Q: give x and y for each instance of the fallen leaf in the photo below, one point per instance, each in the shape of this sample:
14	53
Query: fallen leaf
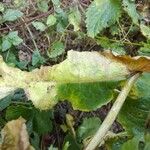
15	136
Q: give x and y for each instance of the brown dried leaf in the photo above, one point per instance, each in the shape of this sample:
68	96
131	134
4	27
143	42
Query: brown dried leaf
15	136
134	64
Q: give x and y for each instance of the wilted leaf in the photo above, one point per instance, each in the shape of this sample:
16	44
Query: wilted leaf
72	78
15	136
134	64
42	94
12	15
83	67
51	20
39	25
101	14
145	30
130	8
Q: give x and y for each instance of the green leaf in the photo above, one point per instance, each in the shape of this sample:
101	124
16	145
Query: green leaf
11	39
6	44
14	38
101	14
147	146
115	143
12	14
2	7
145	30
57	49
51	20
52	148
75	18
66	146
134	113
37	59
130	8
56	2
39	25
21	4
14	112
11	58
43	5
35	140
87	96
132	144
5	102
145	50
88	128
42	121
73	145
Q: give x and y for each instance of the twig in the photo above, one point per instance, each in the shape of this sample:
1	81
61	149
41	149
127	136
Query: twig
114	40
32	37
43	15
110	118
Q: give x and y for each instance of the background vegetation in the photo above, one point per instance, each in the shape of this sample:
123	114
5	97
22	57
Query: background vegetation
40	32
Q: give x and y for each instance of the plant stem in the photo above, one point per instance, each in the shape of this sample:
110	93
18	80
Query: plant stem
124	42
32	37
110	118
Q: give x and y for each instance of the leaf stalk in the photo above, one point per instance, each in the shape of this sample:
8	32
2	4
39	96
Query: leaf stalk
110	118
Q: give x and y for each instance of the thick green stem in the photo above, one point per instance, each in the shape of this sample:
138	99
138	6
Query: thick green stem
107	123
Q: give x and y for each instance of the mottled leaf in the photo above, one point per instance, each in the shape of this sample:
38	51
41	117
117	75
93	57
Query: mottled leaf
95	72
